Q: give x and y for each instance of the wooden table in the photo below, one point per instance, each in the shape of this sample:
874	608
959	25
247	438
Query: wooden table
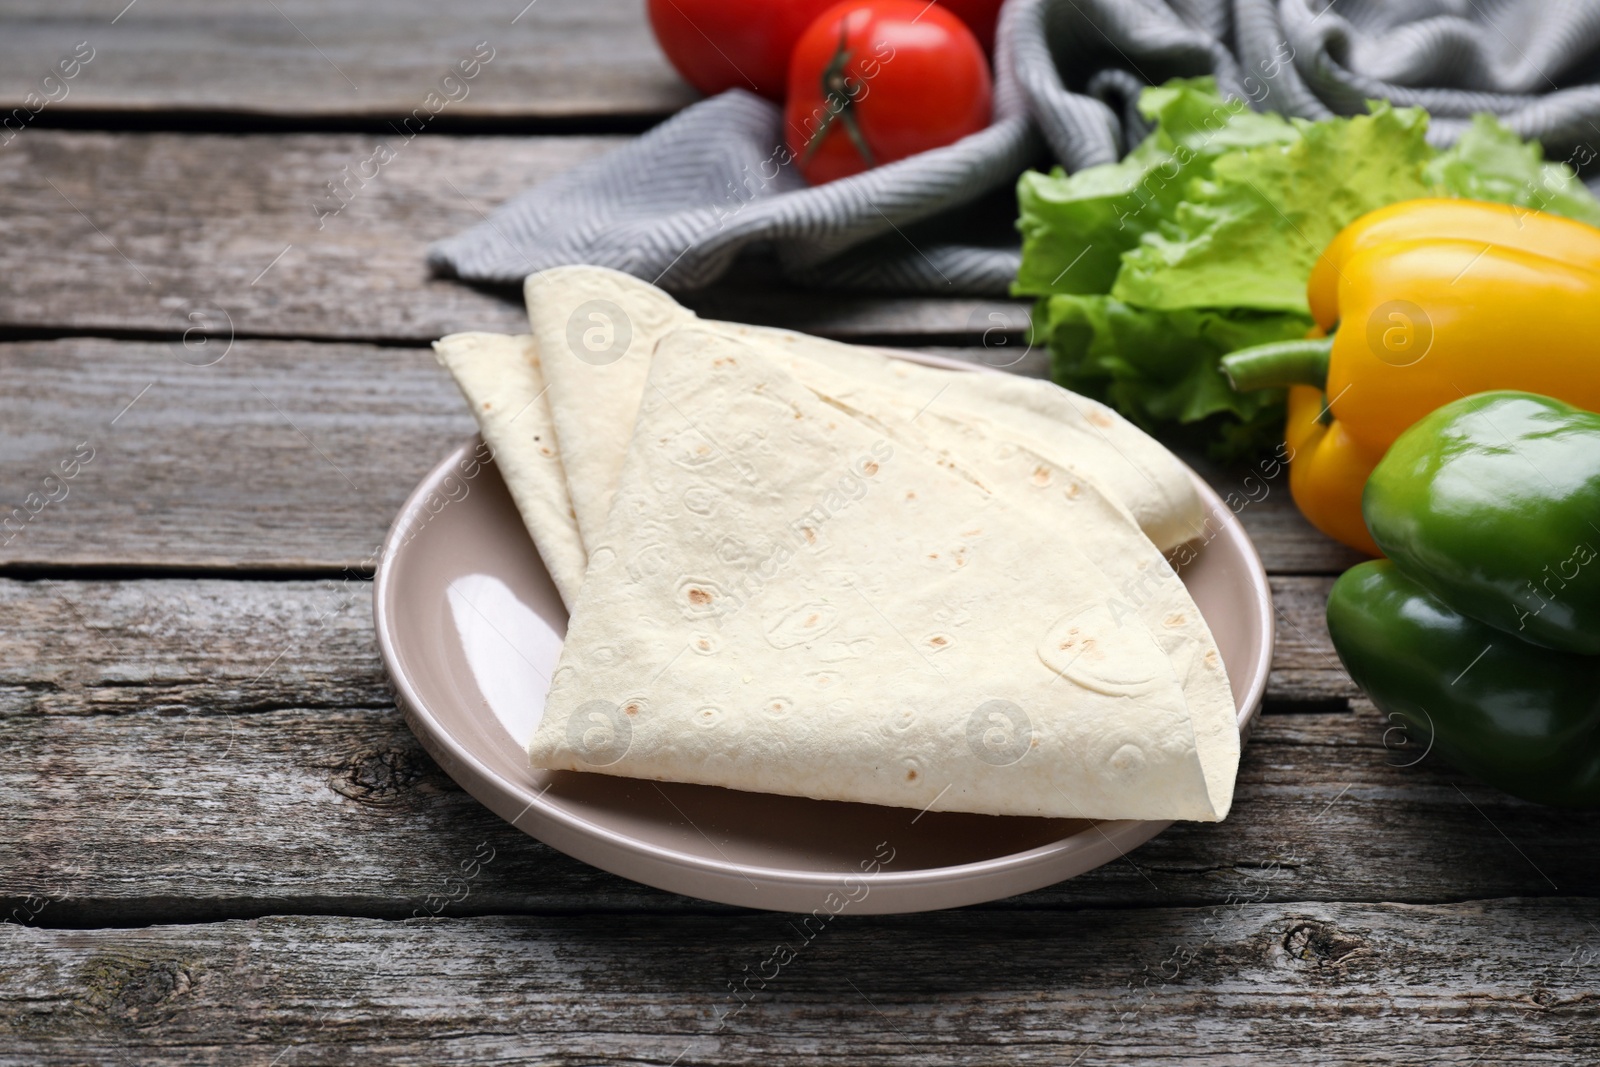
217	829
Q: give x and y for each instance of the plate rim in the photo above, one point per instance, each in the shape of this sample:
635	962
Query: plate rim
1119	835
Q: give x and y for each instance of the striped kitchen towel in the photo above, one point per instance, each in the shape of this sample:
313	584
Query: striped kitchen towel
680	204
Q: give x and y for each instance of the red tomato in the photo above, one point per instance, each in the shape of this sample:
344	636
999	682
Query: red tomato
873	81
981	17
733	44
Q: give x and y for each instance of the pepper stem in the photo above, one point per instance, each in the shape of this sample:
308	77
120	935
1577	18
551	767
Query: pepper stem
1281	363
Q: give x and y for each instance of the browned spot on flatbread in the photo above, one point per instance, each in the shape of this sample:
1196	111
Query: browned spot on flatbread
811	620
1041	476
1174	619
869	468
938	642
911	775
910	495
699	596
1101	419
811	536
631	708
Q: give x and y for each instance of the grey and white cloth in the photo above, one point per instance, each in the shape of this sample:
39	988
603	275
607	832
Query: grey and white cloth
682	203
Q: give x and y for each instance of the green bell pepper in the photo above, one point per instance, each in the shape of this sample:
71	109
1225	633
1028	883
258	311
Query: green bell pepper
1522	718
1493	503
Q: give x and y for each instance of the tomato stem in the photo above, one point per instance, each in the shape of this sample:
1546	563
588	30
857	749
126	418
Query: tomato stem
840	102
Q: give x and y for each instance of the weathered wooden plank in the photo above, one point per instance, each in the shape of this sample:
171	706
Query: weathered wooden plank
209	749
1502	982
118	232
311	59
287	455
278	455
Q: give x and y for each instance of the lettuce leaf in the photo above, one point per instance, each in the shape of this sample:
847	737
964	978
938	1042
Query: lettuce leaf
1163	366
1076	227
1248	236
1489	162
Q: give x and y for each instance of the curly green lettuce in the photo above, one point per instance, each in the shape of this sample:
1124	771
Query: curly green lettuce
1162	367
1075	228
1248	235
1489	162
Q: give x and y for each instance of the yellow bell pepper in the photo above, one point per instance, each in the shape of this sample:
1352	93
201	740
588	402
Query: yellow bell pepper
1425	302
1504	225
1327	470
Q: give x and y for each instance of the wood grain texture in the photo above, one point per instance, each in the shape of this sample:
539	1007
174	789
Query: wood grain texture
134	232
1502	982
292	455
311	58
205	749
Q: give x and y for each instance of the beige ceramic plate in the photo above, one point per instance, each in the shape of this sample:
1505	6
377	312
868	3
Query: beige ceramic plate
470	627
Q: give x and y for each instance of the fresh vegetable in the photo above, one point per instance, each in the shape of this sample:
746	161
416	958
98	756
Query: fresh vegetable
1426	300
1076	228
1248	235
873	81
1490	162
1482	629
1426	321
725	44
1492	503
1499	224
1327	470
1218	217
1162	365
981	16
1523	718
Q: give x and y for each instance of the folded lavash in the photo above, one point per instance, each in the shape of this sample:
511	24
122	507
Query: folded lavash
601	326
598	327
610	324
1084	515
503	383
784	599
